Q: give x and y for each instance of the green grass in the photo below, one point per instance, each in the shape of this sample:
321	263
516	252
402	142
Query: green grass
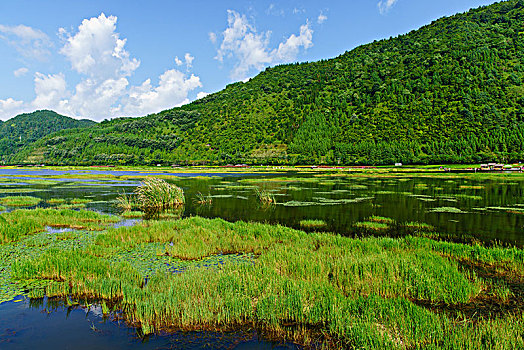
132	214
354	293
312	224
20	201
201	199
372	226
22	222
157	194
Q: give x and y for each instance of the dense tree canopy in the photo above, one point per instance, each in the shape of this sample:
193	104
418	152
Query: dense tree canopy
25	129
452	91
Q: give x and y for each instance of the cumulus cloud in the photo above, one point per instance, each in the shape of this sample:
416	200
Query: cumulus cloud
288	50
321	18
385	5
96	49
250	49
10	107
20	72
29	42
50	90
202	94
98	53
173	86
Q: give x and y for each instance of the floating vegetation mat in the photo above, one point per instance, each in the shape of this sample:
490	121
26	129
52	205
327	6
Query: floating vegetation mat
325	201
451	210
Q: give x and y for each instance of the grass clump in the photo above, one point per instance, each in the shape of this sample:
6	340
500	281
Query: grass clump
265	197
372	226
157	194
313	224
153	194
381	219
20	201
201	199
22	222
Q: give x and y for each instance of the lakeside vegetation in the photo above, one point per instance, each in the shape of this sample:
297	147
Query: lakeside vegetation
309	288
446	93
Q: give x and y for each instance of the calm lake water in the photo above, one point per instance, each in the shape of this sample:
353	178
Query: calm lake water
486	209
51	325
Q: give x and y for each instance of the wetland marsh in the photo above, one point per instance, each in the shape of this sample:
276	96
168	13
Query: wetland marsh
315	259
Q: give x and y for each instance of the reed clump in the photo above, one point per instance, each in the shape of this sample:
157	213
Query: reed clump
154	193
265	197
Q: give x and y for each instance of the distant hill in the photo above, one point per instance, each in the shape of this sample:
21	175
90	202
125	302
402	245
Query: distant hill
452	91
24	129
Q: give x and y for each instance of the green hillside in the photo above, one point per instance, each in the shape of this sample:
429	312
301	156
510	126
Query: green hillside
452	91
24	129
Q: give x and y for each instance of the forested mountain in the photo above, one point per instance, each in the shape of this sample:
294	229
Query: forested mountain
25	129
452	91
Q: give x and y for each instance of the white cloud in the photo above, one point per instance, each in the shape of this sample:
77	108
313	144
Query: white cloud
288	50
97	52
213	37
20	72
49	90
274	11
172	90
321	18
202	94
385	5
189	60
250	49
96	49
10	108
29	42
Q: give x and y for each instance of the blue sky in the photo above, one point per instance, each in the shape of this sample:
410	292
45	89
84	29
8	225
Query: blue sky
103	59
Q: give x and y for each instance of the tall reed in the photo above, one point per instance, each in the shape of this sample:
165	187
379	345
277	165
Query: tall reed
157	194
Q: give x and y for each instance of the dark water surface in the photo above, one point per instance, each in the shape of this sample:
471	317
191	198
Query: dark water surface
487	209
51	325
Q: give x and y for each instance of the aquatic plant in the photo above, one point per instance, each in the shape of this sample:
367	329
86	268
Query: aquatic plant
22	222
381	219
371	225
419	226
154	194
201	199
452	210
126	202
313	224
20	201
265	197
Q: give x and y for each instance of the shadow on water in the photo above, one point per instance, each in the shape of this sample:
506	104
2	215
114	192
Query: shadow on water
51	324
